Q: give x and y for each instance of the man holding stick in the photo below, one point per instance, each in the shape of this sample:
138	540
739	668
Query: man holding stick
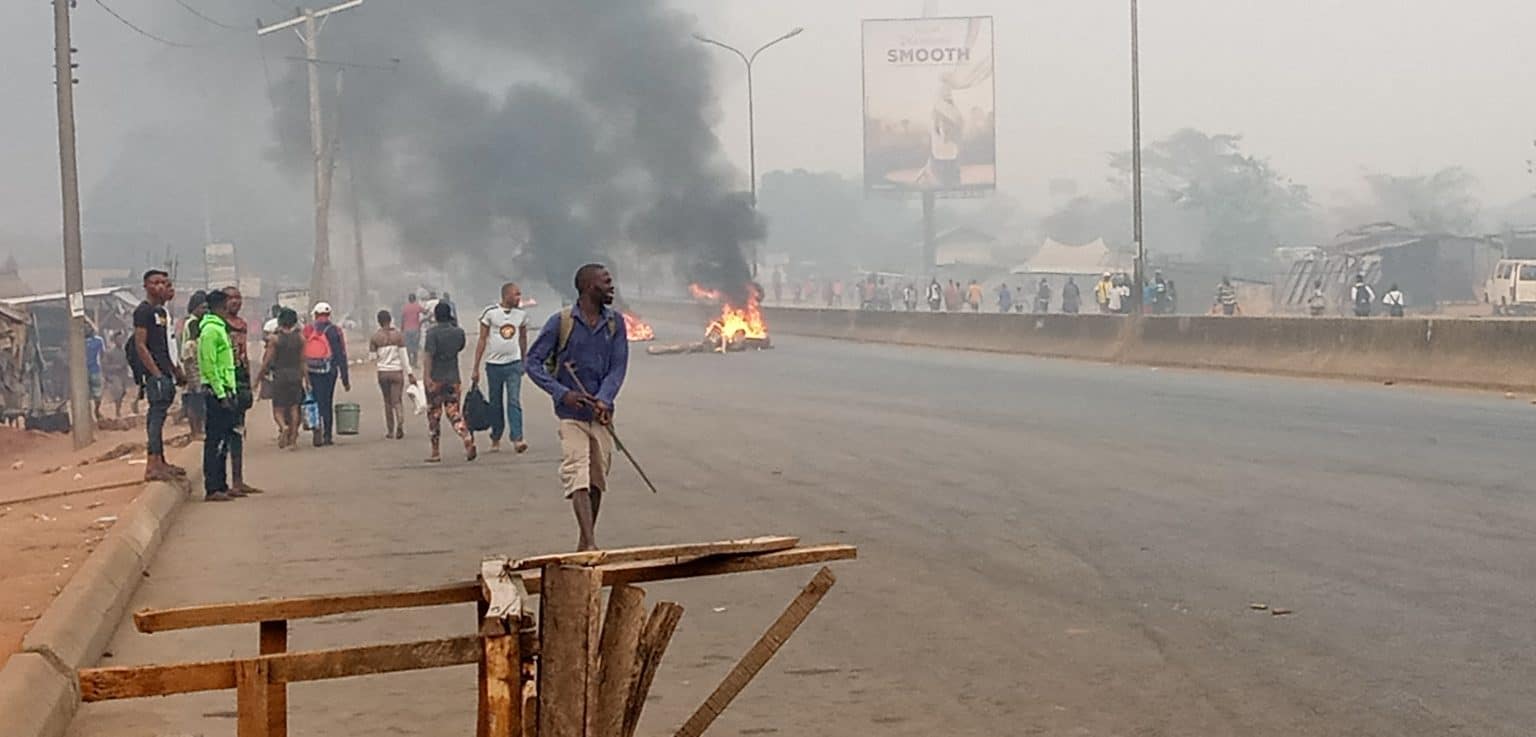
583	346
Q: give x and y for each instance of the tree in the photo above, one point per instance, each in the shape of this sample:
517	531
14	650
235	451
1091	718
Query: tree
1441	202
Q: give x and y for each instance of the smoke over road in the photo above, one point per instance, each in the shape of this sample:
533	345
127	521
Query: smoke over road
596	131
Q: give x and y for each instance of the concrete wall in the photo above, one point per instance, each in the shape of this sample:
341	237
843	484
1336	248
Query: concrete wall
1475	353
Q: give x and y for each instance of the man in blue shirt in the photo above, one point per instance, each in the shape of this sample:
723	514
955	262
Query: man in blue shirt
94	347
580	349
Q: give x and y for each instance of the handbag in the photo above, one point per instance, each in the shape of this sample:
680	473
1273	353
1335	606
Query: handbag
477	411
311	410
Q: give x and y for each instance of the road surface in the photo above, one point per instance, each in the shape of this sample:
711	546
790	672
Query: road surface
1047	547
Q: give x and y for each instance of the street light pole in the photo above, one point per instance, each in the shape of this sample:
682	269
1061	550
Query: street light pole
1141	246
749	60
82	413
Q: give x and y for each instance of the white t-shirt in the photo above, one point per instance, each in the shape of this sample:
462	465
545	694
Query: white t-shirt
501	345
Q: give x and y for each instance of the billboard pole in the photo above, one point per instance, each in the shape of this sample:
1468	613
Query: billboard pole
1141	246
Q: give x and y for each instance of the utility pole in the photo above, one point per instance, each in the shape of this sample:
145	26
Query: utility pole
320	275
82	414
1141	245
360	304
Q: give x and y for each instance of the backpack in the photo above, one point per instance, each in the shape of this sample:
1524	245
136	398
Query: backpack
567	326
131	348
1362	296
317	348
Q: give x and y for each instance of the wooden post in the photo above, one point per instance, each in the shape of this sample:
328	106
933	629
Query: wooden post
571	614
653	644
757	657
251	698
617	656
504	686
274	640
482	717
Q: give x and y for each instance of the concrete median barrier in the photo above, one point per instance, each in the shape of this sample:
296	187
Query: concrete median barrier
1497	354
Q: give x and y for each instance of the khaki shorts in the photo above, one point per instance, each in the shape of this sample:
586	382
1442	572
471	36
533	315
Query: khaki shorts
586	450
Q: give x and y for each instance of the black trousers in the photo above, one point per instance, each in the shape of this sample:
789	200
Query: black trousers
219	430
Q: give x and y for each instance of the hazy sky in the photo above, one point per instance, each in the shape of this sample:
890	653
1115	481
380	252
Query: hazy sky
1328	89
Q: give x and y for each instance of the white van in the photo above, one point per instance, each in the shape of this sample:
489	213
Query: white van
1512	289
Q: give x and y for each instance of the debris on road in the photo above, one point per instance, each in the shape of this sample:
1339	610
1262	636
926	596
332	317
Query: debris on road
1278	612
1258	606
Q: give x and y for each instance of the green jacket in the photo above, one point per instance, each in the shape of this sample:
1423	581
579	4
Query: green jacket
216	357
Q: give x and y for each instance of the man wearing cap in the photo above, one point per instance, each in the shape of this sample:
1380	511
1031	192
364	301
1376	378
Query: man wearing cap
325	367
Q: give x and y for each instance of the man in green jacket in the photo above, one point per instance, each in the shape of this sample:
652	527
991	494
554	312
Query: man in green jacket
216	364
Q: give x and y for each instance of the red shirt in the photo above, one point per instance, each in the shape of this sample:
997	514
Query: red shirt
410	317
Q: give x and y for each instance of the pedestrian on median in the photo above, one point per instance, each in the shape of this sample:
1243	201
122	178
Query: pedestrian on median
1071	297
1364	297
440	364
1395	301
154	370
1317	301
583	349
245	397
282	367
1043	297
388	348
216	362
935	295
1102	292
411	316
1226	297
325	357
192	404
973	295
909	296
94	348
951	296
1020	301
1004	299
503	343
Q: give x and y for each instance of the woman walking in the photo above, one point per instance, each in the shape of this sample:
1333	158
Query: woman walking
282	367
388	347
440	366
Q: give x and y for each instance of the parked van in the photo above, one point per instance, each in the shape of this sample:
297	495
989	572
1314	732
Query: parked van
1512	290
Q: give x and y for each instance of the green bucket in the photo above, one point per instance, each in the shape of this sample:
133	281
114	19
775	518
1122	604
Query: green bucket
348	417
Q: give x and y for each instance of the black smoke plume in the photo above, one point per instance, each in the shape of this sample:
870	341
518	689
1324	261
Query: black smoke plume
595	131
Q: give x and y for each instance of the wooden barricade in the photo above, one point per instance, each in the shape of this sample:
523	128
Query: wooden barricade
582	671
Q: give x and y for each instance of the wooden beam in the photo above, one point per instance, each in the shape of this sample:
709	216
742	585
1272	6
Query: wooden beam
659	553
758	656
482	677
568	623
251	698
274	640
659	629
302	607
307	607
132	682
617	656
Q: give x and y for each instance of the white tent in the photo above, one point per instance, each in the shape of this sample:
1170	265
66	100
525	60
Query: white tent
1059	258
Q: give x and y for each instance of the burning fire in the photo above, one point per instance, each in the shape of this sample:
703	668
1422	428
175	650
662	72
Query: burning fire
638	330
743	321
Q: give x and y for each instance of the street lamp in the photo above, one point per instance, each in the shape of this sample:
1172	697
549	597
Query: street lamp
748	59
1141	247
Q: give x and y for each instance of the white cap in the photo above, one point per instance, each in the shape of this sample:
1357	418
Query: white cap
322	308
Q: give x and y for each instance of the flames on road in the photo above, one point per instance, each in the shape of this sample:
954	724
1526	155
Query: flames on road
736	322
638	330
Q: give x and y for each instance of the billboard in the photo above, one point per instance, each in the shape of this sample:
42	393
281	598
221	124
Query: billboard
929	105
219	266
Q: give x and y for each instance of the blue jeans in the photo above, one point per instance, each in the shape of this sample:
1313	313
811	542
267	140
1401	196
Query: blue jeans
323	386
506	378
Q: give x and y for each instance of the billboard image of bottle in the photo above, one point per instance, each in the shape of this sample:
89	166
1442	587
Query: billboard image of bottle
930	115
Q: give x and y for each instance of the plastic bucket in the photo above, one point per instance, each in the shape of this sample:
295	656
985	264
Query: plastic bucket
348	416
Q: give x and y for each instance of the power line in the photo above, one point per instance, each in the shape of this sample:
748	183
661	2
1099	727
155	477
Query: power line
199	13
141	31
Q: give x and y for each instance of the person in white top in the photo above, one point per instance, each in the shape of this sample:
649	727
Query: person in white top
1395	301
503	343
388	349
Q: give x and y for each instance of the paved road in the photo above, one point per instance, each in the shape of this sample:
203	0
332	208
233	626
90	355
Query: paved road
1048	547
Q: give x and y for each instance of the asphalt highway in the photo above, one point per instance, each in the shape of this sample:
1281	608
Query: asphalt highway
1047	547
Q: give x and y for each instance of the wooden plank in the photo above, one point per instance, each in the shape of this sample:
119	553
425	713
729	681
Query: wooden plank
307	607
659	629
643	572
758	656
504	687
274	640
302	607
568	644
482	677
251	698
659	553
132	682
617	656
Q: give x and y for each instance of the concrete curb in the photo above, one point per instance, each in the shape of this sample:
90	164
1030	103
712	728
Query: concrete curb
39	690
